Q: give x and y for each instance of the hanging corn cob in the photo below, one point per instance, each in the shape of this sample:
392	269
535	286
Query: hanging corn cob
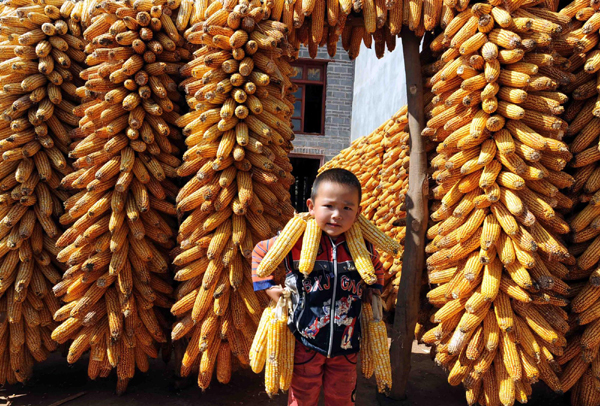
238	137
496	255
380	161
579	358
121	219
273	346
41	56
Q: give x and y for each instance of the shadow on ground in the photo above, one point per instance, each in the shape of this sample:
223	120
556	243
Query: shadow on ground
55	380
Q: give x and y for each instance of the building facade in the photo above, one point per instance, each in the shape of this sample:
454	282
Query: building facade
322	115
338	101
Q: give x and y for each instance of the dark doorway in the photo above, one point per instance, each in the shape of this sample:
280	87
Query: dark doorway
305	171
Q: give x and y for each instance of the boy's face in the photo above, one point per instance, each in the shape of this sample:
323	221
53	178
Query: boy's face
335	208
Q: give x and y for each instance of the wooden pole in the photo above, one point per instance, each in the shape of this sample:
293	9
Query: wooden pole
407	305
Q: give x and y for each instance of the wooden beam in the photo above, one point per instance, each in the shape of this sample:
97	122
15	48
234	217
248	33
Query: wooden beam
407	305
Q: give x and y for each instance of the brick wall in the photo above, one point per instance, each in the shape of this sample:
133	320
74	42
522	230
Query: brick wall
338	107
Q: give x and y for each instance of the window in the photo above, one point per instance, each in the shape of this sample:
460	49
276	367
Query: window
309	108
305	171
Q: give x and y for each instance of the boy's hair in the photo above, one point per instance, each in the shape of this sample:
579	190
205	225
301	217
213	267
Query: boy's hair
339	176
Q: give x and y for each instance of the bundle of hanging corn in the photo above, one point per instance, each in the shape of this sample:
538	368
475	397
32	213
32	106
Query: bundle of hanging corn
238	137
39	60
121	219
374	349
377	23
497	255
273	344
580	362
380	161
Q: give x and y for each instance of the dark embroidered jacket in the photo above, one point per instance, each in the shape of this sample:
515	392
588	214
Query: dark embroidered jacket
334	280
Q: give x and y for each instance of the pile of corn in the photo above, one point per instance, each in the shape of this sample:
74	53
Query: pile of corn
580	361
40	64
497	254
121	218
238	135
380	161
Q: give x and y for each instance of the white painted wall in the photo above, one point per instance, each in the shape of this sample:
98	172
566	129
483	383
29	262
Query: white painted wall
379	89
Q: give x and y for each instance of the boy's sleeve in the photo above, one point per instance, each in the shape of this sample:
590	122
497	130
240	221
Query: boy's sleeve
378	270
257	255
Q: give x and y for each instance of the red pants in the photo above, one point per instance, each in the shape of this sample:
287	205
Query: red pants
337	377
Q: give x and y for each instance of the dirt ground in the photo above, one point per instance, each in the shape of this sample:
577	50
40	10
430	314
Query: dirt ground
55	380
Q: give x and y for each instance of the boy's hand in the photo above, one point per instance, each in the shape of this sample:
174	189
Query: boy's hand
275	292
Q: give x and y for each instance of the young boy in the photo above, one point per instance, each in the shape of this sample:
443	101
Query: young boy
326	303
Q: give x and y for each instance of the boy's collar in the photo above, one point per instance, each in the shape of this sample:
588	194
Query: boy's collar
337	240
